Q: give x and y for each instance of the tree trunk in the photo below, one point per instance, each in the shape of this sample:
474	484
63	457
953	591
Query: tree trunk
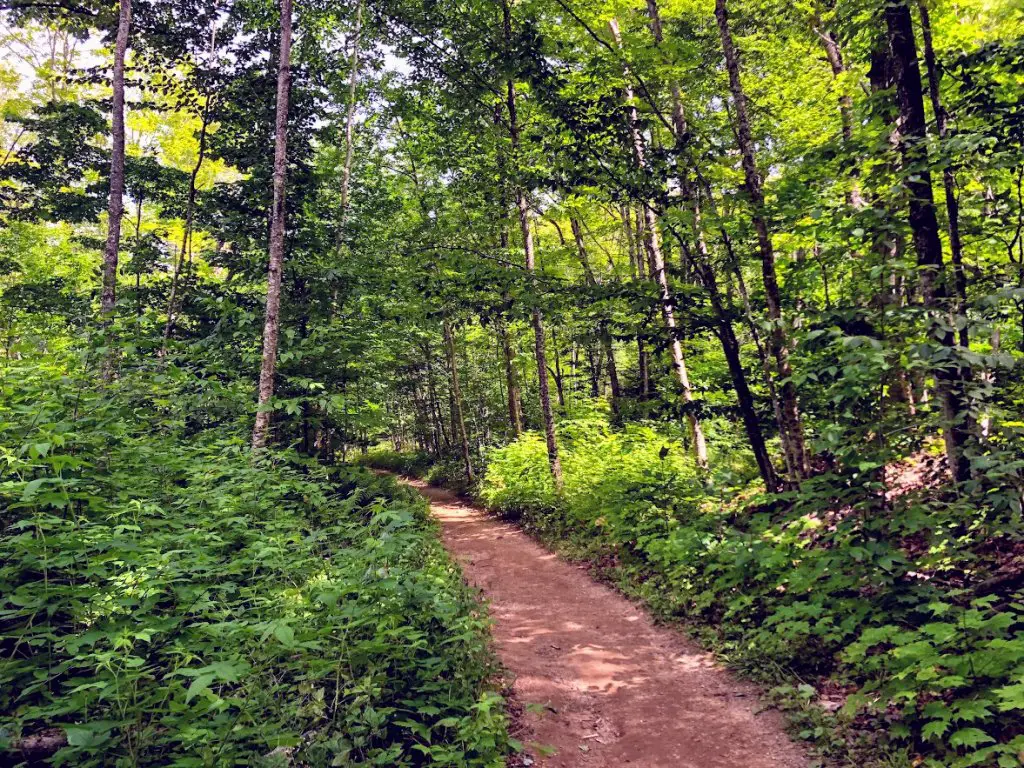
791	426
636	267
656	263
271	323
731	349
515	411
924	225
948	181
435	403
350	117
186	238
531	266
557	371
115	203
538	332
602	328
835	60
457	416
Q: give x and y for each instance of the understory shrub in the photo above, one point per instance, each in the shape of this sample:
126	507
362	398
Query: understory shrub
875	602
446	470
165	599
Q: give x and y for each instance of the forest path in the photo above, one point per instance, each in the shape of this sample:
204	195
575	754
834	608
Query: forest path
614	689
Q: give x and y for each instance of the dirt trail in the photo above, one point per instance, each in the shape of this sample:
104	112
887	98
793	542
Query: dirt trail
615	689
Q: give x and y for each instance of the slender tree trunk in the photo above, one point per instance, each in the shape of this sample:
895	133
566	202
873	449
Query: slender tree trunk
731	349
435	403
531	266
115	203
656	264
515	412
271	323
636	269
602	327
350	118
948	180
791	427
557	371
949	379
835	60
537	321
702	262
138	249
186	237
457	415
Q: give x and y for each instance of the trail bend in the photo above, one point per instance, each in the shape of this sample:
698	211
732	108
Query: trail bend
608	687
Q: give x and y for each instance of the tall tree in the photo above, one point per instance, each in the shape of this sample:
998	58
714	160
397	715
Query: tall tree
950	374
271	322
115	204
526	230
791	427
656	264
956	247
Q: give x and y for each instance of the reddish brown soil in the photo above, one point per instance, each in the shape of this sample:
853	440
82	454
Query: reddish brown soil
600	683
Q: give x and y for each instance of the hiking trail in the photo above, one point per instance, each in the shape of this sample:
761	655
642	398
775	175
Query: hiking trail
601	683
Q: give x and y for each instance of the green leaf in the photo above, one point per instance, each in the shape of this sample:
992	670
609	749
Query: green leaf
969	737
198	686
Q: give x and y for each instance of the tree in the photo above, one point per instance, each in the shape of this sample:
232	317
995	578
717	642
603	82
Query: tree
791	427
271	323
949	373
115	206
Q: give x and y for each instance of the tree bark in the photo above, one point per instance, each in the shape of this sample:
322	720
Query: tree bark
702	262
115	203
656	264
835	61
949	377
271	323
791	426
537	321
948	180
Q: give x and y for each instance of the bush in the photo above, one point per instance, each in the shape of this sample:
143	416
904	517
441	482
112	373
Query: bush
413	464
170	601
864	595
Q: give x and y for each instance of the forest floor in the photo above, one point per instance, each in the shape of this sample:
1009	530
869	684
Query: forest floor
599	683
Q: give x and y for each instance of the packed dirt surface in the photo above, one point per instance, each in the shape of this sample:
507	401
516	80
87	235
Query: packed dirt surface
601	684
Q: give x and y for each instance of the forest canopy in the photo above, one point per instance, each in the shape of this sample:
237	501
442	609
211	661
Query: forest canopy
724	296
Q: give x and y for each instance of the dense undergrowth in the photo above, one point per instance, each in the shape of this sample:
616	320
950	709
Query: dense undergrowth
892	627
167	600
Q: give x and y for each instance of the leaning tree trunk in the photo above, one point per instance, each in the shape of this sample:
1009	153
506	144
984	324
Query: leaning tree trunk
791	426
702	262
186	237
656	263
271	323
924	224
115	203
